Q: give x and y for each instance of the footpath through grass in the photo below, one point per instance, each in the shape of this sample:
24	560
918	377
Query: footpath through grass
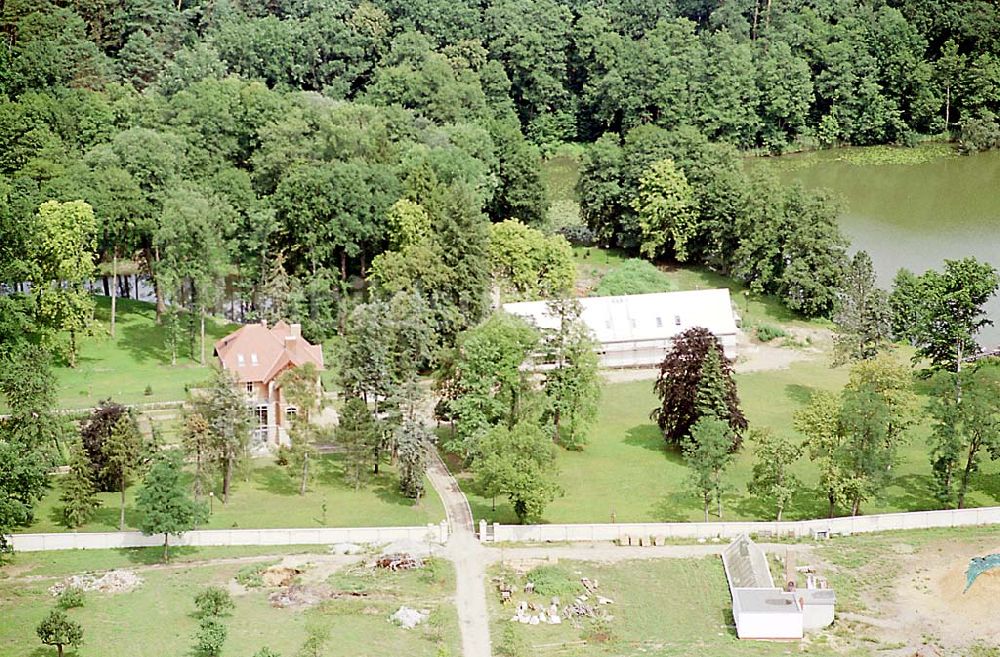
159	618
270	499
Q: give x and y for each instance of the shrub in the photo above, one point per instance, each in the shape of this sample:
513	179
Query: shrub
148	391
633	277
598	630
266	652
554	581
214	601
210	637
252	576
578	235
510	643
766	332
70	598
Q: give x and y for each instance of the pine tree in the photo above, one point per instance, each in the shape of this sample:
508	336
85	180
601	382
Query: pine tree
124	454
412	442
196	439
164	504
79	495
356	434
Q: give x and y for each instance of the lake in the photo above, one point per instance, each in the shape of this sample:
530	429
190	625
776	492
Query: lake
911	215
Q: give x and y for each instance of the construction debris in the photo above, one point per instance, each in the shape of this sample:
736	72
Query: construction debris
298	595
409	618
347	548
113	581
400	561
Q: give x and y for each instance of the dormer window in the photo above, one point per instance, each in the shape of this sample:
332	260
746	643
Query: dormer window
677	320
253	358
239	360
659	322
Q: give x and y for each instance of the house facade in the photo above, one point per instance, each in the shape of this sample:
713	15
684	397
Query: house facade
637	330
257	355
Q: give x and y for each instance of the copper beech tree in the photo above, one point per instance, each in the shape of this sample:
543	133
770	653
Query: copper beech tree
696	379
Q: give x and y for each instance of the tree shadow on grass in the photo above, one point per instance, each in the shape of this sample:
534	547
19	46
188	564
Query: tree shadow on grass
275	480
105	518
145	341
386	487
672	507
649	437
799	393
150	556
912	492
987	484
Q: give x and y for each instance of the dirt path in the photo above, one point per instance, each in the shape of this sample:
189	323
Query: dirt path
470	559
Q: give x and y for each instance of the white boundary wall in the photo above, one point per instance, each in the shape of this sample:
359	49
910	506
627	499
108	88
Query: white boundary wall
436	533
730	530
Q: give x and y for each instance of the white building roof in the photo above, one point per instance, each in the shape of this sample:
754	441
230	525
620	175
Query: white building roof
639	317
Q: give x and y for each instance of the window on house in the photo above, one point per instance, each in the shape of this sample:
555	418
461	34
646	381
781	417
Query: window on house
677	320
291	412
253	358
249	387
260	412
239	360
659	322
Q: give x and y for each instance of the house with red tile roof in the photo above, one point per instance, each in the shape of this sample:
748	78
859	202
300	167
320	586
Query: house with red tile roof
257	355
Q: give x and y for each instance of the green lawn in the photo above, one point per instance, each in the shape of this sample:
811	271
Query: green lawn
122	367
270	499
158	618
626	471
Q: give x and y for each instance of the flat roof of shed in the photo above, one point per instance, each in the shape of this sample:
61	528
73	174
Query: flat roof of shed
642	317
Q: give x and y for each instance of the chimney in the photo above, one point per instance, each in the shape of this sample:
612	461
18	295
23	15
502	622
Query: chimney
292	339
263	322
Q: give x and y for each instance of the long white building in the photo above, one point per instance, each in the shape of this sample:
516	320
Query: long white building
637	330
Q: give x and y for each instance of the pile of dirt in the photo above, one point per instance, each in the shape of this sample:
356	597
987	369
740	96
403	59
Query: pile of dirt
113	581
279	576
932	600
300	596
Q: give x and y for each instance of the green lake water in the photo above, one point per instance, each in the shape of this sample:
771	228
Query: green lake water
912	215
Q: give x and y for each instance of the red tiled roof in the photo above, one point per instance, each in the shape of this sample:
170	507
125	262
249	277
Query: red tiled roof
258	353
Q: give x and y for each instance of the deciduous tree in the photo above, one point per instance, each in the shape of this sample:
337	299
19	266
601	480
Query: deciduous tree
707	452
518	462
572	384
692	382
772	482
57	629
163	503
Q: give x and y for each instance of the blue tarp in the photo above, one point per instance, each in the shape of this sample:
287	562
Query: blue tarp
978	566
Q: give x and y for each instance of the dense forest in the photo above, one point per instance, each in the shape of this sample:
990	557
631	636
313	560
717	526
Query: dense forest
299	149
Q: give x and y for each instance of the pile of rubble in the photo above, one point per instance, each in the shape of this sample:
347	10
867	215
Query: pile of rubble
409	618
399	561
584	605
113	581
299	595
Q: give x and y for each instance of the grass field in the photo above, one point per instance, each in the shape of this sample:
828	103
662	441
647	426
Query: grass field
270	499
627	472
158	618
122	367
663	607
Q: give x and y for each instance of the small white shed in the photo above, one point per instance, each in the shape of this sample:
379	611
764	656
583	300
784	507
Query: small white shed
637	330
